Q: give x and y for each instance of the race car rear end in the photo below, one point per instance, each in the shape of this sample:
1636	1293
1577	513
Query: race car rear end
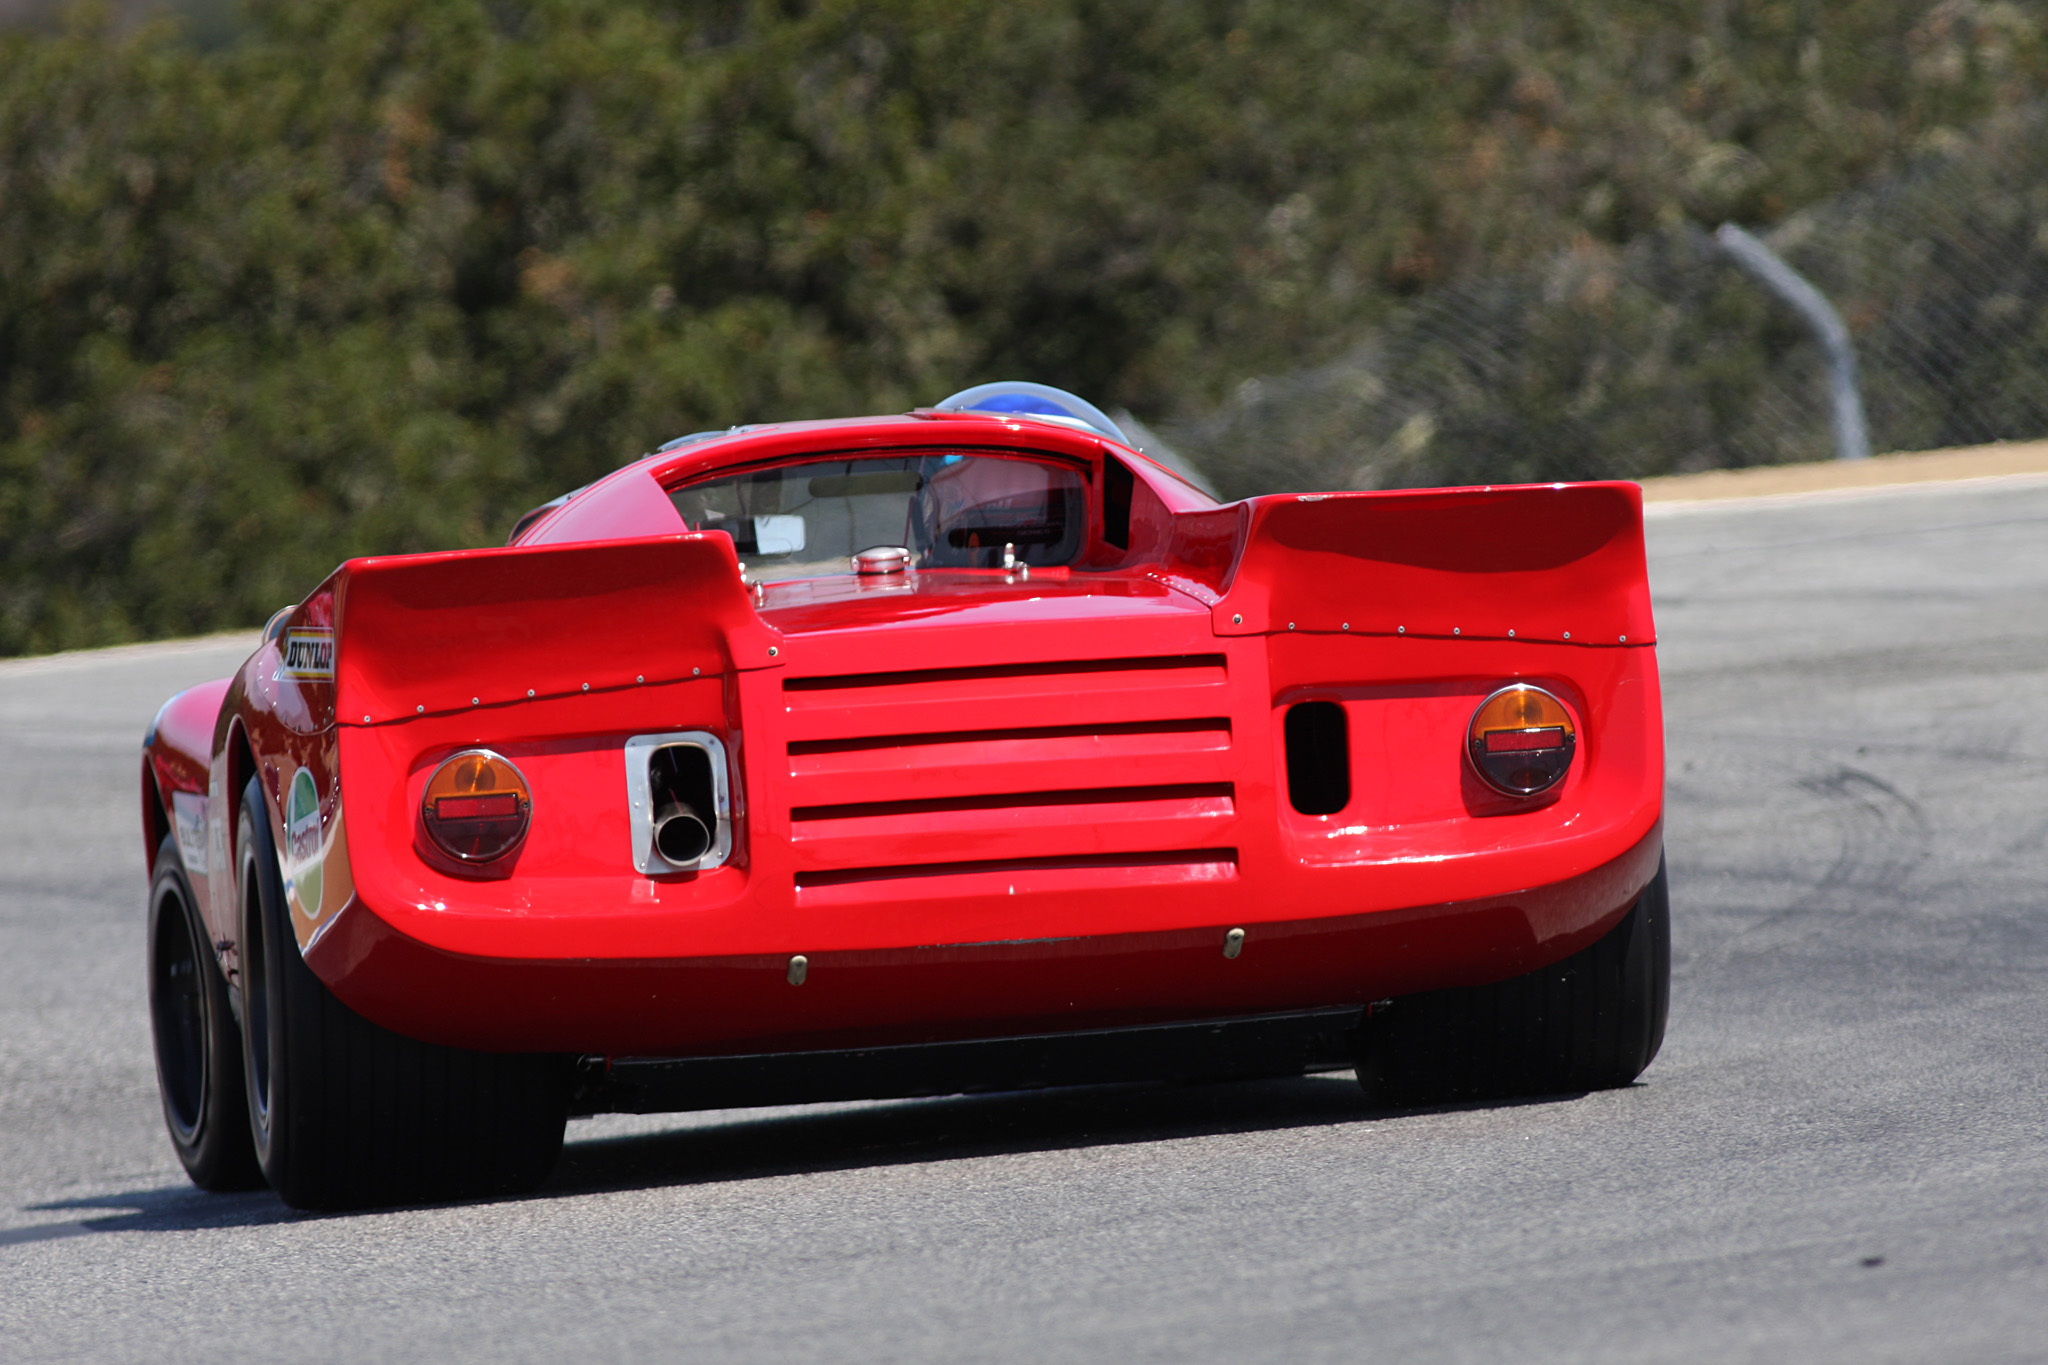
1105	782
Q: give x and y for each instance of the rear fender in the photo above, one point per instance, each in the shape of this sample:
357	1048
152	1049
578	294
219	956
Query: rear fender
466	637
1407	609
175	755
413	658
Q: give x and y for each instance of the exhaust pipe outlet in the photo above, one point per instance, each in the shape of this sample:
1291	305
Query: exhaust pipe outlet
681	836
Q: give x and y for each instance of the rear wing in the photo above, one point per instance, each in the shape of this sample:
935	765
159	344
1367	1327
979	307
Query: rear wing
1550	562
417	635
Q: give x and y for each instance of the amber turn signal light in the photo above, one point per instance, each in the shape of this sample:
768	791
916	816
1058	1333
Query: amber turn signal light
1521	741
476	806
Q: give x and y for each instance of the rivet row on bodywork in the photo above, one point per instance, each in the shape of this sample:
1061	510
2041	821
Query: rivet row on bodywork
799	968
1290	625
1456	631
1233	943
1624	639
1237	620
696	672
773	651
1347	625
1511	635
586	687
474	702
1400	630
419	710
639	677
529	692
1567	635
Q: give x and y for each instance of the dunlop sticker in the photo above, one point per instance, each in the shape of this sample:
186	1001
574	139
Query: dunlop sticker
309	653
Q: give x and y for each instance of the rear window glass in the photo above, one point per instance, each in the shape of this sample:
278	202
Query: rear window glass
948	510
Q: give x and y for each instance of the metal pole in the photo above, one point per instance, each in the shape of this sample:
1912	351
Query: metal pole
1852	435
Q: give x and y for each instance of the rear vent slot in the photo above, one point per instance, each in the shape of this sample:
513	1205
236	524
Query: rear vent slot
1318	758
1216	792
911	677
1201	725
1193	863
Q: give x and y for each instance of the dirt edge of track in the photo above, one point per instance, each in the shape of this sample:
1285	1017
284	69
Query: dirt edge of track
2006	459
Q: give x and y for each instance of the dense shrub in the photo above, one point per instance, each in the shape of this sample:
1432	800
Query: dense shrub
376	276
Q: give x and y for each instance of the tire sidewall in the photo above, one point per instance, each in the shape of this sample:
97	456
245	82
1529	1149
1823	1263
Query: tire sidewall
260	896
356	1115
170	893
1608	1002
1649	964
214	1149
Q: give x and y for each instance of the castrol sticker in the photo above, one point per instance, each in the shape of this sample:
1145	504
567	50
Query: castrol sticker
309	653
303	853
302	816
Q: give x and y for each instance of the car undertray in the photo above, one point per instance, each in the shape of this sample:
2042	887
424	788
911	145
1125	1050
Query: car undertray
1215	1049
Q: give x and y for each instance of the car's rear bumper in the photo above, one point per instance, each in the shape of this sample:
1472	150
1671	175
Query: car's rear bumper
681	1006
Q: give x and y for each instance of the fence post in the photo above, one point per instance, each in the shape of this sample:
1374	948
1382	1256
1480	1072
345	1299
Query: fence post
1852	435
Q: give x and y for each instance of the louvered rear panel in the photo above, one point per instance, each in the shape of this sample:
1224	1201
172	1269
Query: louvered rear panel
1107	769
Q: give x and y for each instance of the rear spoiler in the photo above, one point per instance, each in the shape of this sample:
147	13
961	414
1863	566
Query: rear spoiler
1550	562
412	635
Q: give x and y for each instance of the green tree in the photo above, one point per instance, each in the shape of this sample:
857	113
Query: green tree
377	276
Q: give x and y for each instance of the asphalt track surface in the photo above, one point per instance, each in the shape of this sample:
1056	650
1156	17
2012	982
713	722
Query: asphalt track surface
1839	1155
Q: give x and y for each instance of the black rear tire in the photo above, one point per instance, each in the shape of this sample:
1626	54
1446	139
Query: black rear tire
198	1047
1591	1022
346	1114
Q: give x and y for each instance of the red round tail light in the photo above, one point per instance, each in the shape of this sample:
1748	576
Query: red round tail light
1521	740
476	806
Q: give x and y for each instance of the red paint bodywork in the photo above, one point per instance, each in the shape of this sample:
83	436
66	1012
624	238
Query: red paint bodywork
980	804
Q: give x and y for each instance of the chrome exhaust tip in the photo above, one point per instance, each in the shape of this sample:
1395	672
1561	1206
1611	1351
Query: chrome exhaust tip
681	836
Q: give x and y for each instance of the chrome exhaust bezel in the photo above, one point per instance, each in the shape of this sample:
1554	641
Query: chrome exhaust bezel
639	753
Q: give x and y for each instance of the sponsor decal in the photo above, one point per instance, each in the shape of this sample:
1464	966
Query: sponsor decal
309	653
188	824
302	843
337	884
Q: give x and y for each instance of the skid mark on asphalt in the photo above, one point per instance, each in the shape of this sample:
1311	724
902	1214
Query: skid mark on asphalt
1882	836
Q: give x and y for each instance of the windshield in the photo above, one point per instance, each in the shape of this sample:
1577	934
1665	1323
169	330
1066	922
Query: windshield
948	510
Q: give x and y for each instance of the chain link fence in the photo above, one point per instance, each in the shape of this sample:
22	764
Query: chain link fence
1665	357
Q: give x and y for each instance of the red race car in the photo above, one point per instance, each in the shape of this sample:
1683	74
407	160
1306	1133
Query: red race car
963	750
